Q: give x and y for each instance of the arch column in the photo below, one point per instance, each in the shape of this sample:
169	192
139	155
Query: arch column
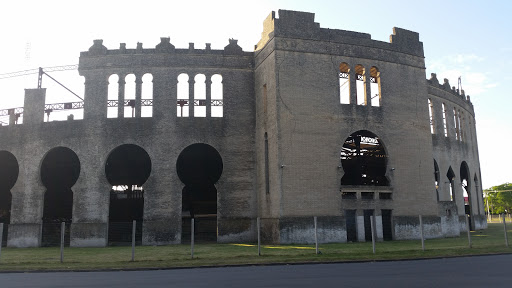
120	96
353	88
191	96
138	95
367	87
96	96
208	83
164	85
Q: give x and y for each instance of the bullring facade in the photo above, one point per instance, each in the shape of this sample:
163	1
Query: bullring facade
314	122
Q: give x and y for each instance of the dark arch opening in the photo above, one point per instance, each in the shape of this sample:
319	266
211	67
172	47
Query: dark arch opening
436	178
451	180
465	181
364	160
127	168
199	167
59	172
9	171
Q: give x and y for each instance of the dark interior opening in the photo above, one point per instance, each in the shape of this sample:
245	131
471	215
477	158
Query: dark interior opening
9	171
451	179
367	224
466	192
436	178
363	159
59	172
199	167
350	218
127	168
387	228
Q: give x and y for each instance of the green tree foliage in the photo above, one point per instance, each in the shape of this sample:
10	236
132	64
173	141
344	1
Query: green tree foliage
500	198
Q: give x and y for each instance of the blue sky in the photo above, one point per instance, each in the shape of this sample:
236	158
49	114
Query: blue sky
470	39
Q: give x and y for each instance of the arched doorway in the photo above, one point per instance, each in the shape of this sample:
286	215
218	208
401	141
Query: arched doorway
199	167
364	160
465	181
127	168
9	171
59	172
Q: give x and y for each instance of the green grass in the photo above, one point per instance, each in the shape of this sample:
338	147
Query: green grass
487	241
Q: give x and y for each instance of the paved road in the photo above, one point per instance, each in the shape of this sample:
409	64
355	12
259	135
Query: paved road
482	271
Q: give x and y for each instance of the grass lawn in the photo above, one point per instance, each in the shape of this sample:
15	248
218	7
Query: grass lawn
487	241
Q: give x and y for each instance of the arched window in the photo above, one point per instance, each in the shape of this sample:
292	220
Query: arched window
451	179
445	128
113	96
200	95
461	123
183	97
129	96
147	96
364	160
217	100
375	90
344	83
436	178
431	116
360	85
456	124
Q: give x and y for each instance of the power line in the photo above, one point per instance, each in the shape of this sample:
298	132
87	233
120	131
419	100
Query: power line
36	71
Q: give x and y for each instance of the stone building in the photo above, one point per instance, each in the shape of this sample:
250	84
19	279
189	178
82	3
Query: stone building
314	122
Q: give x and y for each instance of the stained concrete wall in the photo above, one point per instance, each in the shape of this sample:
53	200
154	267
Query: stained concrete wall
287	89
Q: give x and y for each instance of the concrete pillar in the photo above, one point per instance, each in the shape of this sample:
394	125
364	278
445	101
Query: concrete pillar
208	95
33	111
90	200
353	87
164	96
120	96
378	227
367	88
27	201
162	204
191	82
96	96
138	95
360	228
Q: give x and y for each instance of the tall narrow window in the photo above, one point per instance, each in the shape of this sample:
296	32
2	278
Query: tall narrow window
217	101
360	85
267	181
431	116
456	124
147	96
444	121
436	178
461	123
113	96
451	179
375	90
344	82
129	96
183	91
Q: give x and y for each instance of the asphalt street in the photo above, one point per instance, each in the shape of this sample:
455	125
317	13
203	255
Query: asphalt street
479	271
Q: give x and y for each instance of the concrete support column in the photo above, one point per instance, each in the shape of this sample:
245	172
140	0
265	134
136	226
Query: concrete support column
162	204
191	82
120	97
33	111
208	95
91	200
367	88
96	96
27	201
353	87
138	95
360	226
164	96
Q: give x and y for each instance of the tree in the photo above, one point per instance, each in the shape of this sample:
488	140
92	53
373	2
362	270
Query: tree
499	198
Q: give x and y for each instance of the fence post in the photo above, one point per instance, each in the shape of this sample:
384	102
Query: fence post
134	227
372	227
192	238
62	231
469	231
505	228
316	236
259	235
1	237
421	234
